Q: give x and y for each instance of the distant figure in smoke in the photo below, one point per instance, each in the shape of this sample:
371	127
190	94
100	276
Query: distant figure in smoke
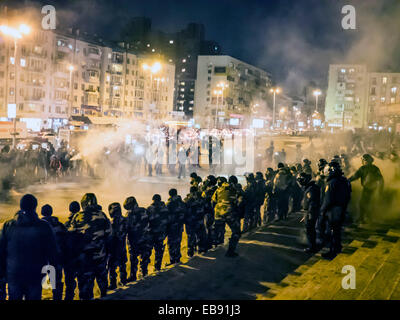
27	243
299	153
182	163
372	182
269	152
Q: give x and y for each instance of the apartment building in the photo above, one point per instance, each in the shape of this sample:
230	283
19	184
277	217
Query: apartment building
383	99
346	100
26	80
358	98
61	74
227	90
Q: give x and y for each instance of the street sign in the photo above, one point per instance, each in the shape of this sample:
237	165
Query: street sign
12	110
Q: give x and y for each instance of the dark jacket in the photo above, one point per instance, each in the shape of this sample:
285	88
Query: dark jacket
176	216
311	200
337	193
27	244
138	225
60	232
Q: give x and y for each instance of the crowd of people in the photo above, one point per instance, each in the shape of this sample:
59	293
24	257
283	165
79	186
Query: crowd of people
92	246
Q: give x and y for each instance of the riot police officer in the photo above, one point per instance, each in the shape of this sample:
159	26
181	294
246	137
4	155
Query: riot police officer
311	205
333	209
371	181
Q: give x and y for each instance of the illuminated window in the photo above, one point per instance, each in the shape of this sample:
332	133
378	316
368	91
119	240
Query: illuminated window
23	62
394	90
383	99
384	80
12	60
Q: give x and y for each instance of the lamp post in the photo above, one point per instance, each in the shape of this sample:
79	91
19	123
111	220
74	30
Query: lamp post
316	93
274	91
152	69
71	69
15	34
221	86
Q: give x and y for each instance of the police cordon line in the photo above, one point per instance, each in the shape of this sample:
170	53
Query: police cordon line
90	246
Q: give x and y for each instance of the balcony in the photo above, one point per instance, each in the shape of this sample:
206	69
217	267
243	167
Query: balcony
33	98
63	49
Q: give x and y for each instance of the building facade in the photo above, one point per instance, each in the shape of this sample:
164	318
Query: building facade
383	99
346	100
358	98
228	92
58	75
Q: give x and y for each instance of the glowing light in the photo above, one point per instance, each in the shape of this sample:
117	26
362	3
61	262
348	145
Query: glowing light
23	28
156	67
71	68
317	92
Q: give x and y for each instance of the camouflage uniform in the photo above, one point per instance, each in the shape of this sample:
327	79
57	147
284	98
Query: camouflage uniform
138	237
194	223
176	215
73	247
117	249
209	214
249	198
269	201
158	220
226	213
95	230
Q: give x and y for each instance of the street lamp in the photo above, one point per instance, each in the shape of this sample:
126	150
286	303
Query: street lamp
15	34
274	91
221	86
316	93
152	69
71	69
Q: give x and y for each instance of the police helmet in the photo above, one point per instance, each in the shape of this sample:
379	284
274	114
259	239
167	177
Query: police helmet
367	158
304	178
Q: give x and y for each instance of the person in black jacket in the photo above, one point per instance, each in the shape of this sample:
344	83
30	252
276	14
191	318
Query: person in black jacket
60	232
72	250
158	222
176	216
311	205
117	248
333	209
139	238
27	245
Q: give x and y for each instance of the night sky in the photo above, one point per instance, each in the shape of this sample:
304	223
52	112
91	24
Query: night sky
295	40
